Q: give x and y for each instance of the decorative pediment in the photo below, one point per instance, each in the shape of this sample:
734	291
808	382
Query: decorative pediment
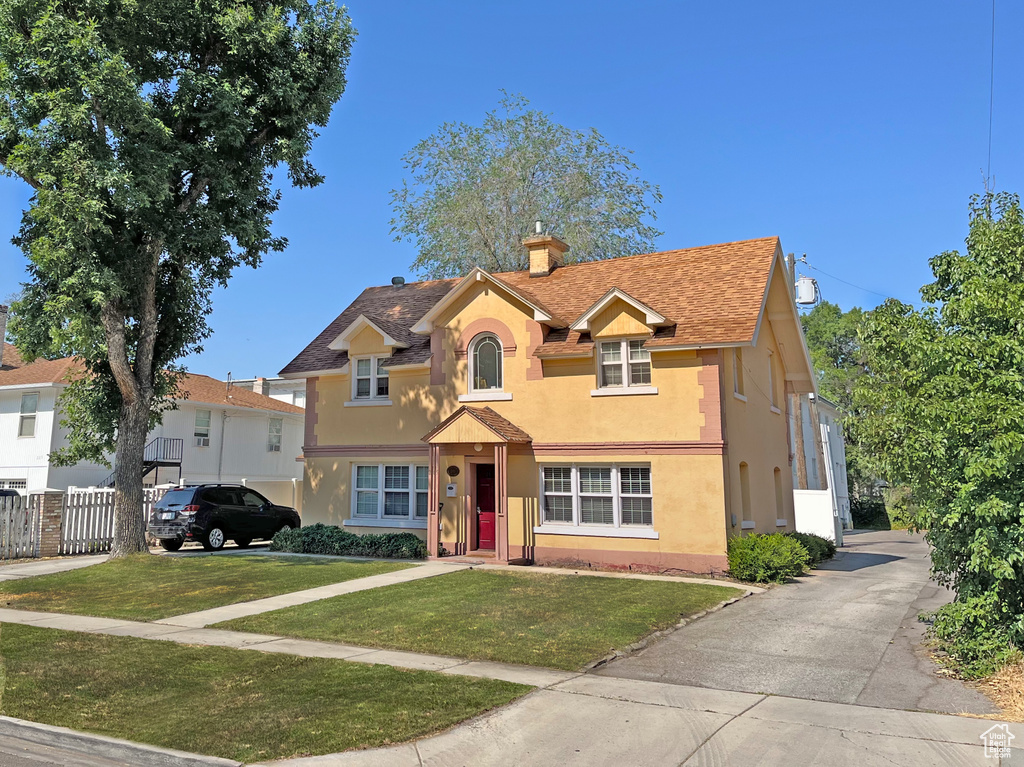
475	424
651	317
344	340
426	322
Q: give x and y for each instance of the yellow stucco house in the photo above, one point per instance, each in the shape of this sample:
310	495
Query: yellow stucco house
627	413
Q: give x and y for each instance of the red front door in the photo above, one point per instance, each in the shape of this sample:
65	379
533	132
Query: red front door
485	506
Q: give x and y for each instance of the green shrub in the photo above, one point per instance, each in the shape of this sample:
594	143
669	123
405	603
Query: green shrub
818	549
868	513
766	558
974	636
329	539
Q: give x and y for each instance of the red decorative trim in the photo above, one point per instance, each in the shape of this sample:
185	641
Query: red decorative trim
534	364
343	451
709	378
486	325
628	448
642	561
312	414
437	357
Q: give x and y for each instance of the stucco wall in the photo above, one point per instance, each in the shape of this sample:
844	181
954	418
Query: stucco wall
757	435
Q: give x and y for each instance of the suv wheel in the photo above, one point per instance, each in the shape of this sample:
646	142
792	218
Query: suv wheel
171	544
214	539
283	527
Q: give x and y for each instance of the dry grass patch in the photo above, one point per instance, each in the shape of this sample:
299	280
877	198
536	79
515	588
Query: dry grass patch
1006	689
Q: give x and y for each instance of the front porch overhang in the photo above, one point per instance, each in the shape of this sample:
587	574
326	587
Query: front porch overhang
478	427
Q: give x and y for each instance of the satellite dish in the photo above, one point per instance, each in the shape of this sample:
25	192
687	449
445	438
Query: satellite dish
807	293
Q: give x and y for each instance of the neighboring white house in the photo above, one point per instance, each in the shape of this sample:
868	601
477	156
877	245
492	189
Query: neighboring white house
821	494
217	433
291	390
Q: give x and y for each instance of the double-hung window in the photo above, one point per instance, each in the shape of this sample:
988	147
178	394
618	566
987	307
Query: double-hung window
588	499
274	435
27	420
396	492
624	363
370	380
202	429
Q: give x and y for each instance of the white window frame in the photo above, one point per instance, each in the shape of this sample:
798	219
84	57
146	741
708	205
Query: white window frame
576	527
412	489
275	437
202	440
625	363
375	375
25	416
472	364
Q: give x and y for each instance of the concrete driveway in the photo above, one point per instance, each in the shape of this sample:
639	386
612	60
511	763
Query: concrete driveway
846	633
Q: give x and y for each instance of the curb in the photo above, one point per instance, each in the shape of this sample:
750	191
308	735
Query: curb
647	640
109	748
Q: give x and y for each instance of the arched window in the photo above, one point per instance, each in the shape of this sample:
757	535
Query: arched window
485	363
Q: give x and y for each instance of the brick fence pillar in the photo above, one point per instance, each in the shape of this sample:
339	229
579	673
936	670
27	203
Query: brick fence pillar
50	517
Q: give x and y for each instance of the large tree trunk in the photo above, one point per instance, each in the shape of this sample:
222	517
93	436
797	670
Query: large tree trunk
129	515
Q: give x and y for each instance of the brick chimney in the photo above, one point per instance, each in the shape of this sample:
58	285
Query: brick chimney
546	253
3	331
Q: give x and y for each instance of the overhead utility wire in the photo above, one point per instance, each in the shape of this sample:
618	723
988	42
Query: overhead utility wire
840	279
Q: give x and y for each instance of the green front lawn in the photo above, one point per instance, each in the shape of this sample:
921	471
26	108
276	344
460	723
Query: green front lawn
148	587
238	704
561	621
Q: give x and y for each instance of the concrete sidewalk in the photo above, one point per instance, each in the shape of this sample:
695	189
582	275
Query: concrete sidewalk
596	721
49	566
291	599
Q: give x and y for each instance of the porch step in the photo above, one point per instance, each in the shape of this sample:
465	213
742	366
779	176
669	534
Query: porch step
483	558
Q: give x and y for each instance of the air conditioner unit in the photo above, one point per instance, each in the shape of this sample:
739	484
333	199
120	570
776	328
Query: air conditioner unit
202	441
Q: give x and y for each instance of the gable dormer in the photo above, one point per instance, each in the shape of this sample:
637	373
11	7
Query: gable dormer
368	335
618	314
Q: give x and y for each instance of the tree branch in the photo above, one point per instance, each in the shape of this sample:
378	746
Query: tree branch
117	352
194	193
148	325
32	182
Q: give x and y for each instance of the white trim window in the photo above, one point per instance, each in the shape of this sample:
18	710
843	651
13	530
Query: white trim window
485	363
597	496
370	378
27	416
274	434
624	363
392	492
201	433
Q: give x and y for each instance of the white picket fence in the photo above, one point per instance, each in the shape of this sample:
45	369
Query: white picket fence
19	527
87	524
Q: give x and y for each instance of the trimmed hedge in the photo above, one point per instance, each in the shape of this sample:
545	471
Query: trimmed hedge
766	558
329	539
818	549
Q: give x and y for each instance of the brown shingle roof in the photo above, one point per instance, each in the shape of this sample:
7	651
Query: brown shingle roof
210	391
712	295
500	425
11	358
192	387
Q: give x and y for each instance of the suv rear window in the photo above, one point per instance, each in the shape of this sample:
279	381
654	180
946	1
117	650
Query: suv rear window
176	499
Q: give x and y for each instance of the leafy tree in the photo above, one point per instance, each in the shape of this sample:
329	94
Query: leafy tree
944	411
149	131
475	192
832	338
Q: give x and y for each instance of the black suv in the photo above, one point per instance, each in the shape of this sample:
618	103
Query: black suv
211	514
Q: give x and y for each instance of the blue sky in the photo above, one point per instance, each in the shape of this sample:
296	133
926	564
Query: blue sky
856	132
